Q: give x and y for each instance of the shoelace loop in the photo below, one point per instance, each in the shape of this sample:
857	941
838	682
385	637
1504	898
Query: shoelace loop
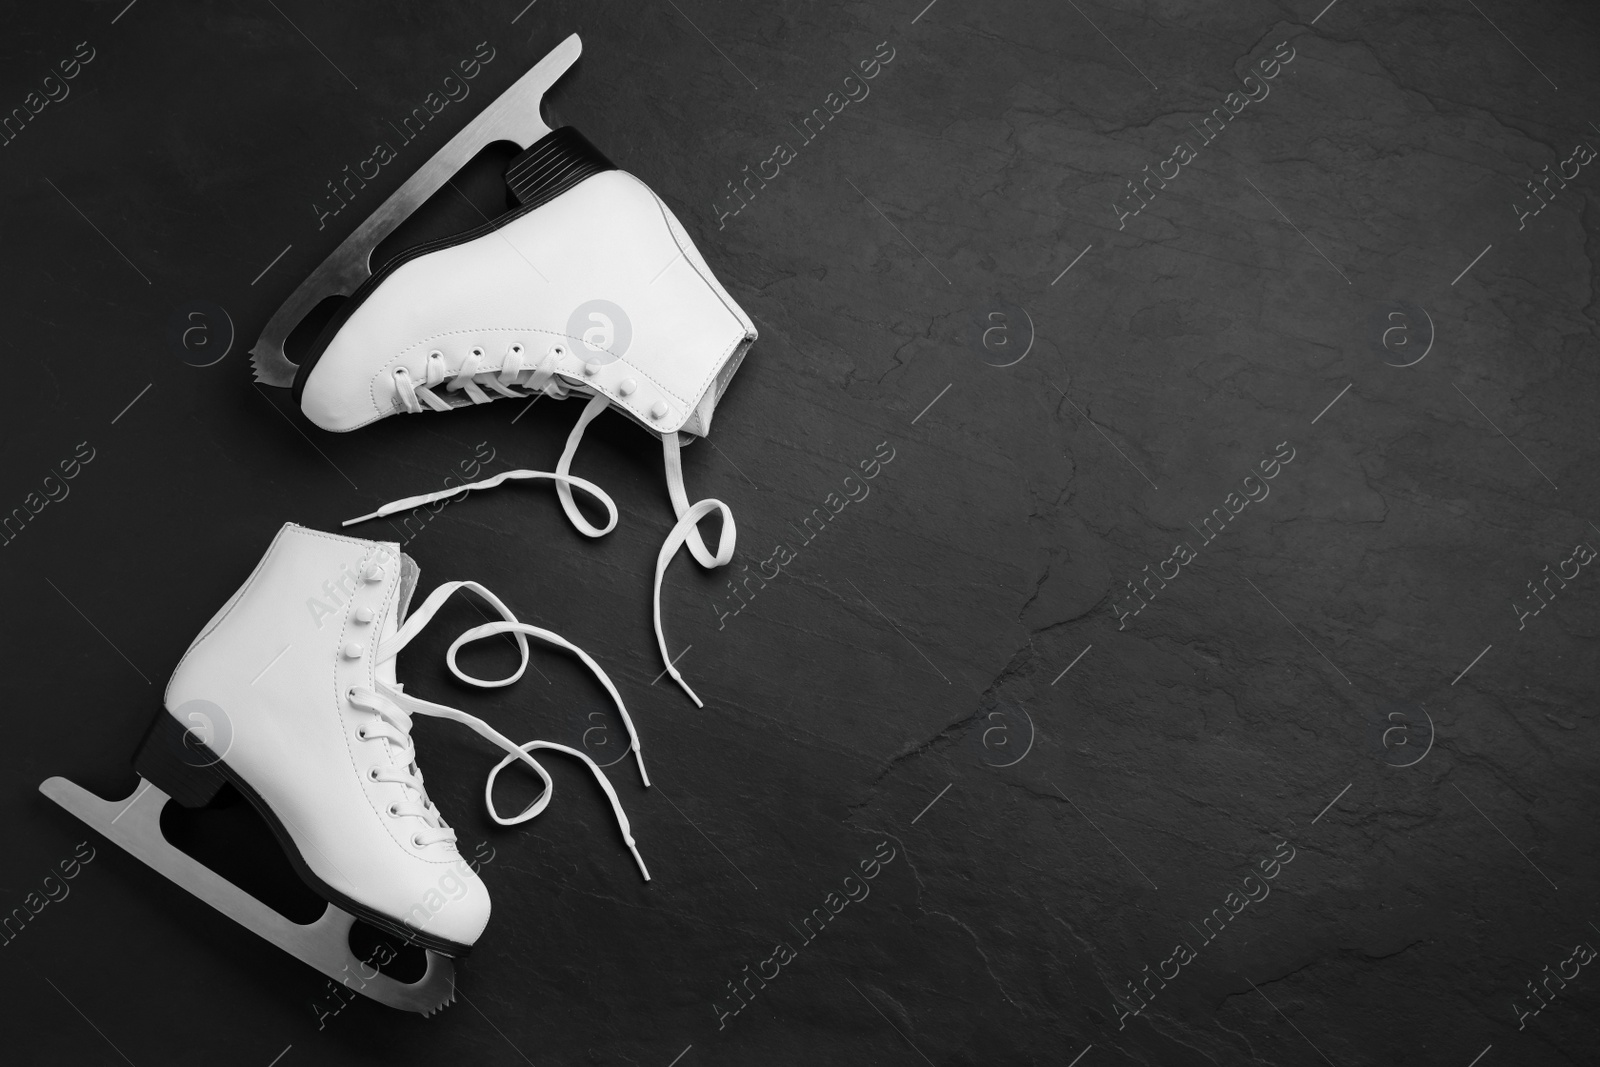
394	709
685	532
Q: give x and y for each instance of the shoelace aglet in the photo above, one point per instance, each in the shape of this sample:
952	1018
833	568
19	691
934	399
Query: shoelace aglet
638	858
684	685
638	755
404	505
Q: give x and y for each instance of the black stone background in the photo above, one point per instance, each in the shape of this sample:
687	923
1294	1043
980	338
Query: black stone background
912	655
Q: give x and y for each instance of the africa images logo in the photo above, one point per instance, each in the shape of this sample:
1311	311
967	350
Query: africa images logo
602	329
1004	336
1400	734
200	333
207	733
1006	734
1401	334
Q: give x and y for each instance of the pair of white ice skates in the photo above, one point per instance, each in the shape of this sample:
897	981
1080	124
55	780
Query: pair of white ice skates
290	693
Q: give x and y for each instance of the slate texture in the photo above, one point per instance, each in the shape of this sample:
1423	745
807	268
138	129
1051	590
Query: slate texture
1312	783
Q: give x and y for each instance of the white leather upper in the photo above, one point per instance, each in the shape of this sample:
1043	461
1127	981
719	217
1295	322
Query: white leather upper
609	238
275	663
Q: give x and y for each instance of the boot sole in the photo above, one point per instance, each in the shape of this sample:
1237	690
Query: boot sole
172	759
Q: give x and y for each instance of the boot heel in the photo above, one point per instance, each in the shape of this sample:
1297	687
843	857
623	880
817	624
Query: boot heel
173	759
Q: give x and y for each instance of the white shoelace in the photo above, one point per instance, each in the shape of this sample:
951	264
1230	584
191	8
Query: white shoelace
394	708
687	531
470	380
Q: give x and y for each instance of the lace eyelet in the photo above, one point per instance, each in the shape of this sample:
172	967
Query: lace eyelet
372	774
517	349
416	839
477	351
394	811
362	733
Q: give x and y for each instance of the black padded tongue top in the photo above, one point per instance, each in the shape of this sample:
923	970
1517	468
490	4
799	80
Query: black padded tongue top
556	162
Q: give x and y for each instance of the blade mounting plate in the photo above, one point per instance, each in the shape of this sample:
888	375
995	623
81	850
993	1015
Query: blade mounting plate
134	825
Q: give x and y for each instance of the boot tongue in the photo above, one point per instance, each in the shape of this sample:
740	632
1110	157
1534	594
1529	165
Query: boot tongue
410	574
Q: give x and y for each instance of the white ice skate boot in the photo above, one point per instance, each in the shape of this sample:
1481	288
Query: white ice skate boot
290	694
591	287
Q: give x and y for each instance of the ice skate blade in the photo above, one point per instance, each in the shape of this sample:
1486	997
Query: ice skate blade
513	116
135	825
